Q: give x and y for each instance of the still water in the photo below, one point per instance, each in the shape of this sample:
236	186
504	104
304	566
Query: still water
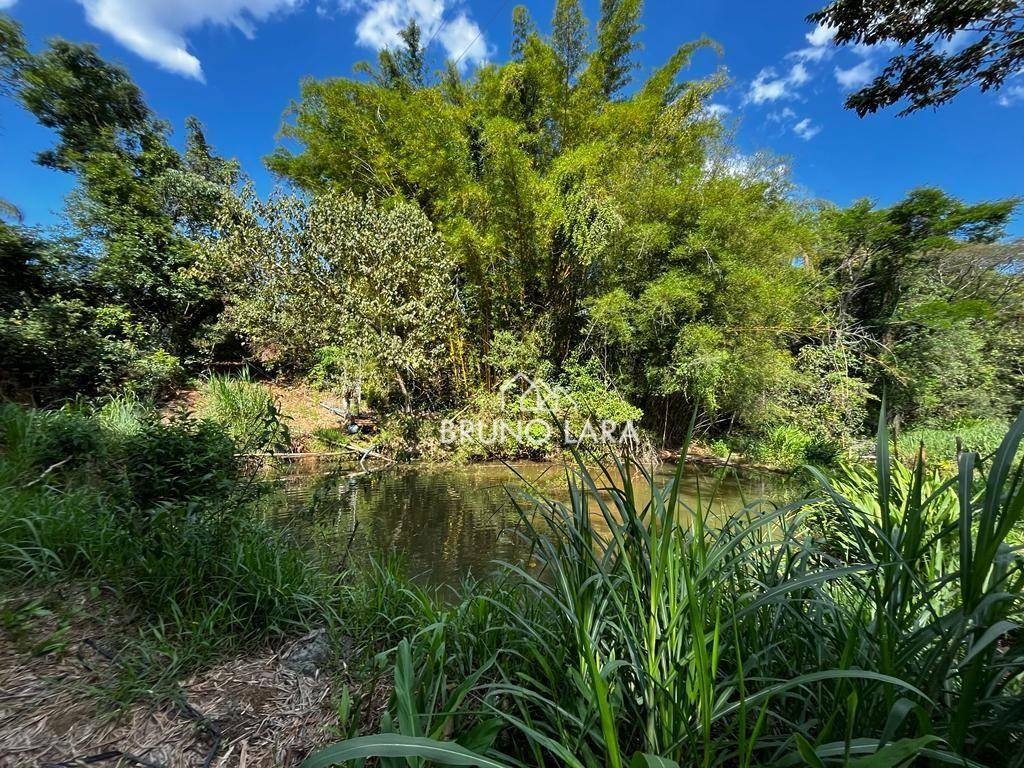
447	522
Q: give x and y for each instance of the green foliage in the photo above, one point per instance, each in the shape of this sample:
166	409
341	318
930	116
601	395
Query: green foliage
940	444
158	512
559	204
569	37
511	353
873	625
63	345
300	276
616	29
538	216
247	412
115	303
928	71
13	53
786	446
923	297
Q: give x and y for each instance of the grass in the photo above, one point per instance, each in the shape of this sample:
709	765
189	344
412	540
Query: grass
247	412
758	642
162	514
940	445
875	623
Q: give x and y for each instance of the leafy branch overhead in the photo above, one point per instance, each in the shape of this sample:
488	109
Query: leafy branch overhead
942	47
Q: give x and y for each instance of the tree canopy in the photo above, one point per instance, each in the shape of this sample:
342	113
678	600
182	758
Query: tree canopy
548	215
931	67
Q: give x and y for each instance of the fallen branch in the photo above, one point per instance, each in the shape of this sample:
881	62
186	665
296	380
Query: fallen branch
288	455
48	470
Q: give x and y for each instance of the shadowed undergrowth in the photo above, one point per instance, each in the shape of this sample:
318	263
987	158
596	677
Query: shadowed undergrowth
875	622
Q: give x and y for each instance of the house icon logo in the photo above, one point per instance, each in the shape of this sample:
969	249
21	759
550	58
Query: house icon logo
525	395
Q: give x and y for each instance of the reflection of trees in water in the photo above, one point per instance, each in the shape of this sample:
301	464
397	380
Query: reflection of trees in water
448	521
442	522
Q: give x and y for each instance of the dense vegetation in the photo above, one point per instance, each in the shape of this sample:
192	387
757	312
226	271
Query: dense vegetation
546	215
875	622
162	514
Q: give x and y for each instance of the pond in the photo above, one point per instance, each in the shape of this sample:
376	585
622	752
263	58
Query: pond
447	522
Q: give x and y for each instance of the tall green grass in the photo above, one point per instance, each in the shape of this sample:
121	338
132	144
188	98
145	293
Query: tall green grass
656	639
247	412
940	445
160	512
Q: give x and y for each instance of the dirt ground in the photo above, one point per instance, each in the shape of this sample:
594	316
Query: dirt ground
247	712
298	403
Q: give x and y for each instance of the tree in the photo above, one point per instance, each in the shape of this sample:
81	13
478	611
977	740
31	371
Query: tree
373	284
13	53
569	36
933	72
555	201
412	58
523	29
404	67
616	32
91	104
930	293
123	276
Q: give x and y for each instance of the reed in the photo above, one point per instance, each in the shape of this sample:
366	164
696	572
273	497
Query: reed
662	637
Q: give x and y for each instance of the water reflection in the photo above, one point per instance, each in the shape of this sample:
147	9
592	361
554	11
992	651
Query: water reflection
446	522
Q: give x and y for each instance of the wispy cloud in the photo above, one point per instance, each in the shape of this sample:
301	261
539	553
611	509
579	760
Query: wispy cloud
821	35
4	4
381	21
782	116
1011	95
717	110
819	45
788	119
156	29
806	130
770	86
856	76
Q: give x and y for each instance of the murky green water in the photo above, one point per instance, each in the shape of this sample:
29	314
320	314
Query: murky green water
446	522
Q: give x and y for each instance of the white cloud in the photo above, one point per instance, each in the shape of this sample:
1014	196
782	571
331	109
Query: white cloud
1011	95
463	37
798	74
156	29
806	130
781	116
820	45
856	76
7	4
382	20
820	36
811	53
717	110
960	40
770	86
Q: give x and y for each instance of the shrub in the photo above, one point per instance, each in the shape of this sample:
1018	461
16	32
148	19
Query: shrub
247	412
161	513
63	346
125	414
940	444
784	446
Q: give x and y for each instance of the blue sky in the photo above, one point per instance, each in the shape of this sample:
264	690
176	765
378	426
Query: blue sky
236	64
